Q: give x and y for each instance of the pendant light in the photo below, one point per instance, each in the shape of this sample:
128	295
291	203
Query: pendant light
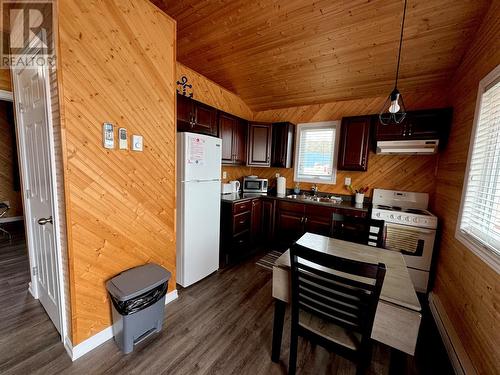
394	111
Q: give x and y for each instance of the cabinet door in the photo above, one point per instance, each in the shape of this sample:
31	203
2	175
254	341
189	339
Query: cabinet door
282	145
354	143
184	113
389	132
205	119
239	142
268	220
259	145
289	222
226	125
256	226
318	219
431	124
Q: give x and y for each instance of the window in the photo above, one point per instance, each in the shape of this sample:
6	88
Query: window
479	221
315	152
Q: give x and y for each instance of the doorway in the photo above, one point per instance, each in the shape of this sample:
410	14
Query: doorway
34	132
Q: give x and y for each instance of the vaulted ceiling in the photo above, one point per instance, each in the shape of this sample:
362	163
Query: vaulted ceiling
275	53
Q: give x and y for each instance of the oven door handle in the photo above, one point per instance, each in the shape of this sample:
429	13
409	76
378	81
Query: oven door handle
411	229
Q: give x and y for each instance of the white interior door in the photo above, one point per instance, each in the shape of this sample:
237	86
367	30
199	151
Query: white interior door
36	169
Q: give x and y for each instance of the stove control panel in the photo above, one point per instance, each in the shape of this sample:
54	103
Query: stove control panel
405	218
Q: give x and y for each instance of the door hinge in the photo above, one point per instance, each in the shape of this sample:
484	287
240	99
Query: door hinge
28	193
35	271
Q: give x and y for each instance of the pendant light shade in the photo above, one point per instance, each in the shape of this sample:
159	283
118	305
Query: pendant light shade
393	110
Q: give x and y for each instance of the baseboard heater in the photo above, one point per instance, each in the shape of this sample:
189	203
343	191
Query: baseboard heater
458	356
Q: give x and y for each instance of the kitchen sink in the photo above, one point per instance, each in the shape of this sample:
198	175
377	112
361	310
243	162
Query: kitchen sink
312	198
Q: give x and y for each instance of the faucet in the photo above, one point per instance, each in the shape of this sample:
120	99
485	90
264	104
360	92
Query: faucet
314	189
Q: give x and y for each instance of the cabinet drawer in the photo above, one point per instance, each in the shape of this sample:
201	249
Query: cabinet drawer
291	207
241	242
238	208
241	222
319	211
352	213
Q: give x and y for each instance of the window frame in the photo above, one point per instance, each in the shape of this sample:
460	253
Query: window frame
317	125
482	251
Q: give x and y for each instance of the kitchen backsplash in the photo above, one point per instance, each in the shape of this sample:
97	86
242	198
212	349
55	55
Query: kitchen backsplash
402	172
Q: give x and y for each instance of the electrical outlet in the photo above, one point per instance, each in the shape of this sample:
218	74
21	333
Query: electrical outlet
347	181
224	175
277	175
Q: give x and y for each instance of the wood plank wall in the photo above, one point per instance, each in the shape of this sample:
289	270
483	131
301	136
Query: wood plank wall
468	289
120	204
413	173
5	81
8	158
208	92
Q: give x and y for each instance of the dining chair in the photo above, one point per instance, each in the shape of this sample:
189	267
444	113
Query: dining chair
360	230
4	208
333	304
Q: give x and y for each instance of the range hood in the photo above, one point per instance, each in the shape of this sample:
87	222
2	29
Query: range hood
408	147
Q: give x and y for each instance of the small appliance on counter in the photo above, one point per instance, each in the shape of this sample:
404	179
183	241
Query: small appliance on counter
226	188
281	185
252	184
235	186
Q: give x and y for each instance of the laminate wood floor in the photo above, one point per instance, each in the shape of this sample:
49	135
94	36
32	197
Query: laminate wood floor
222	325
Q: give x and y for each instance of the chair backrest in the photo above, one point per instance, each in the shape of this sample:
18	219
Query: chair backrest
360	230
342	291
3	209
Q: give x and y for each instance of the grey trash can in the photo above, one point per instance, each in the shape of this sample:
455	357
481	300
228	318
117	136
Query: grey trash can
137	303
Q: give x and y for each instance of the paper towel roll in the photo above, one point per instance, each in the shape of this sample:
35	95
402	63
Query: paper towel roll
281	185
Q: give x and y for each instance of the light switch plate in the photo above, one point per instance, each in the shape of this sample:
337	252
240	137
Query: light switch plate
347	181
122	139
137	143
224	174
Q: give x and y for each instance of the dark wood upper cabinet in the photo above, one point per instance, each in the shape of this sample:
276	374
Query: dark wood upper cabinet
233	132
196	117
424	124
282	145
259	145
354	143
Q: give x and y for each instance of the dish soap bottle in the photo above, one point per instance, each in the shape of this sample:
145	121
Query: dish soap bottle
296	189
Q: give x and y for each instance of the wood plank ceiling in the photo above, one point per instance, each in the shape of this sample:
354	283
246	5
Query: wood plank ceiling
293	52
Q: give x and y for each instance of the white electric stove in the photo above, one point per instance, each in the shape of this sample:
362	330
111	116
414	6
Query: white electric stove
410	229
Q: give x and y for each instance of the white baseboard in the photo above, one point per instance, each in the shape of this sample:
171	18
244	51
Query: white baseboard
11	219
458	356
100	338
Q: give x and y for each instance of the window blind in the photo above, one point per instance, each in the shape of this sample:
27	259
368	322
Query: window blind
316	149
481	206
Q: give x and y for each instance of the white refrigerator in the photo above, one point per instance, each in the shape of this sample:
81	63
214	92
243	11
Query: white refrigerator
198	206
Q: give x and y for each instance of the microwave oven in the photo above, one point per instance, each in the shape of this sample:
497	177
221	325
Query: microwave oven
255	185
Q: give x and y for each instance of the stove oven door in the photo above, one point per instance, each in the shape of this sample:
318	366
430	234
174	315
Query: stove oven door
416	244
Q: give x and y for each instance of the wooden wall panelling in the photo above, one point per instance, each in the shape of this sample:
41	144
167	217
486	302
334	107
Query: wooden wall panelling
414	173
8	161
210	93
468	288
291	53
5	80
120	204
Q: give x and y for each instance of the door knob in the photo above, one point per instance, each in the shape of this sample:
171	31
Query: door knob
44	221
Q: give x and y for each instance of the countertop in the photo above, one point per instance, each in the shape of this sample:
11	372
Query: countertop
345	204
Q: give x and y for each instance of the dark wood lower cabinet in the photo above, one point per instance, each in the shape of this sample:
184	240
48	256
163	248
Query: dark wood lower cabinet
266	223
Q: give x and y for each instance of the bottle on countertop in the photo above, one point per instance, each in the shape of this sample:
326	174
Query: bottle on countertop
296	190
